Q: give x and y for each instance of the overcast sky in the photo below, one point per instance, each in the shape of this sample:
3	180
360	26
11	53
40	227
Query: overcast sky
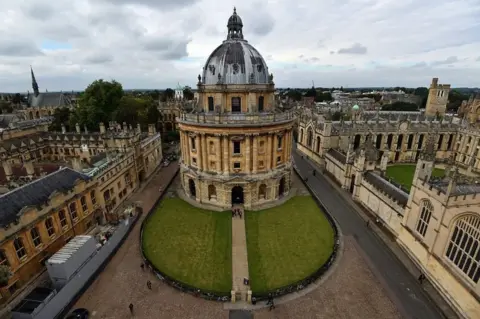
158	43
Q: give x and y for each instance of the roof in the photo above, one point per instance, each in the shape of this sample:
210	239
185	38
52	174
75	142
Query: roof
342	158
56	99
36	193
386	187
69	249
19	170
355	107
33	300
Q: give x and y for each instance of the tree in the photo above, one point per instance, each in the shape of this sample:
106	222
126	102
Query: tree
168	94
400	106
337	116
97	104
17	99
311	92
188	94
5	274
295	95
324	97
155	94
61	116
455	99
5	107
133	110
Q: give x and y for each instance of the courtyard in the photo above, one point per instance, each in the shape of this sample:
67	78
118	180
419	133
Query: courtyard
403	174
286	243
191	245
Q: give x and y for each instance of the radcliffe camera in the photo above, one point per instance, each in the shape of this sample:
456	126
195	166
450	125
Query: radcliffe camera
201	159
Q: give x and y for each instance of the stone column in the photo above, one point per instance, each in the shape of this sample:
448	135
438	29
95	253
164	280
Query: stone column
226	151
204	152
255	153
199	142
248	138
187	150
218	153
269	152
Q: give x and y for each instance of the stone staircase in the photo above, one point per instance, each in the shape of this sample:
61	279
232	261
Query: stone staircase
239	257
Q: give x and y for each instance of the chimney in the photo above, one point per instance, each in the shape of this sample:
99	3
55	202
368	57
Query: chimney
85	128
64	130
102	128
77	164
7	167
30	169
77	128
125	127
139	129
434	82
151	129
130	127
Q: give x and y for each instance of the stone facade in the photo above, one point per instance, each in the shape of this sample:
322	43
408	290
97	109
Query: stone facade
437	98
77	199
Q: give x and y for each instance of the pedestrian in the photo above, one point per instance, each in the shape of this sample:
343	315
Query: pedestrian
149	284
130	306
240	214
421	278
142	266
272	305
313	172
306	179
368	223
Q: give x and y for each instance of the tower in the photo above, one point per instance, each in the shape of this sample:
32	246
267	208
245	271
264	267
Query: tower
36	92
426	162
437	98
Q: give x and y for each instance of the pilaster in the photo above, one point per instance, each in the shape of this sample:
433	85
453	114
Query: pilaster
248	138
255	153
204	152
269	152
199	151
226	159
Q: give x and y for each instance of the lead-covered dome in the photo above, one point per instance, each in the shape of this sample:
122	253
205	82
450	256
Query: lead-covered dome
235	61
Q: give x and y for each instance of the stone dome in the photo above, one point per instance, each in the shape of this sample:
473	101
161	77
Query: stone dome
355	107
235	61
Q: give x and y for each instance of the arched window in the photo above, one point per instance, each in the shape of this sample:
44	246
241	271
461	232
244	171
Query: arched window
262	191
3	258
93	198
318	144
49	226
261	101
212	192
212	147
37	240
19	248
236	104
463	248
73	210
426	209
309	138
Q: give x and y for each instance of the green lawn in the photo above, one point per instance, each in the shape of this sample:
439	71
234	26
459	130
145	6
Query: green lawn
403	174
286	243
190	244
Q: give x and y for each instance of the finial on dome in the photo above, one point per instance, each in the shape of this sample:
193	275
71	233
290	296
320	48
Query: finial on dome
234	10
235	26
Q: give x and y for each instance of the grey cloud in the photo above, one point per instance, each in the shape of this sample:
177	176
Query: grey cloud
259	19
264	26
332	52
449	60
159	4
478	59
38	11
213	31
357	48
99	58
20	49
168	49
421	64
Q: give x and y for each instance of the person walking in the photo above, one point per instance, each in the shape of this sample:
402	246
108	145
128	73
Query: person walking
368	223
421	278
142	266
149	284
130	306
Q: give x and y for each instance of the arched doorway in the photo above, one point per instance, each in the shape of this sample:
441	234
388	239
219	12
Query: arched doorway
281	187
262	192
191	187
352	183
212	192
237	195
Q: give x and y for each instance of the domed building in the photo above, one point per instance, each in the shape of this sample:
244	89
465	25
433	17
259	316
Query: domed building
236	142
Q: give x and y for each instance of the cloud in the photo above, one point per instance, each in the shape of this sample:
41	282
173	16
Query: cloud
356	48
158	43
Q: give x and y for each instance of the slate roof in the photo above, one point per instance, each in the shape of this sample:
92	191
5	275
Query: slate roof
6	120
342	158
386	187
460	189
55	99
19	170
36	193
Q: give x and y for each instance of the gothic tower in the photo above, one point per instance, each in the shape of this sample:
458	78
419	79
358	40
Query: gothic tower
36	92
437	98
426	162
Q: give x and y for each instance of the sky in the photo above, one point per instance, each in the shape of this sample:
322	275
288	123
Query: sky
156	44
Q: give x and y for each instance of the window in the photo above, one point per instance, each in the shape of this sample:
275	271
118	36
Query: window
260	164
424	218
83	202
211	107
261	147
194	160
3	258
37	241
279	142
236	165
49	226
192	140
63	218
73	210
261	100
463	249
236	147
19	248
93	198
212	165
279	159
317	146
212	147
309	138
236	104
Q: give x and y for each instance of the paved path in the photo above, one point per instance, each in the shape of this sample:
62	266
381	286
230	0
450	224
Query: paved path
402	287
239	256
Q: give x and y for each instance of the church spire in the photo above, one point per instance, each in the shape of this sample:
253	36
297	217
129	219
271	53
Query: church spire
34	83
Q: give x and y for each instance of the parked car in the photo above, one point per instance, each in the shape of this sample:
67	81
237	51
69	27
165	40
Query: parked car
80	313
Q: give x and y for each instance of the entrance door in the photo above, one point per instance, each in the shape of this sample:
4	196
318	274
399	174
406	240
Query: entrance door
352	183
237	195
191	187
281	187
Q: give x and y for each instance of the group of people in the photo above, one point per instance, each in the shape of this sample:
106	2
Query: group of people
237	212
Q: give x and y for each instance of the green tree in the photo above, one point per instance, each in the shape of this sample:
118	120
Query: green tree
295	95
17	99
337	116
168	94
98	103
400	106
5	107
61	116
188	94
5	274
455	99
324	97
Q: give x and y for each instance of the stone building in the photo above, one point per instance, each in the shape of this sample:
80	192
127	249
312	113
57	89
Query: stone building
58	185
437	221
470	110
169	111
236	142
437	98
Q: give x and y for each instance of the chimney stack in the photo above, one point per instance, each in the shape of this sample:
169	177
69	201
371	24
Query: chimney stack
7	167
151	129
85	128
77	128
139	129
102	128
64	130
77	164
125	127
